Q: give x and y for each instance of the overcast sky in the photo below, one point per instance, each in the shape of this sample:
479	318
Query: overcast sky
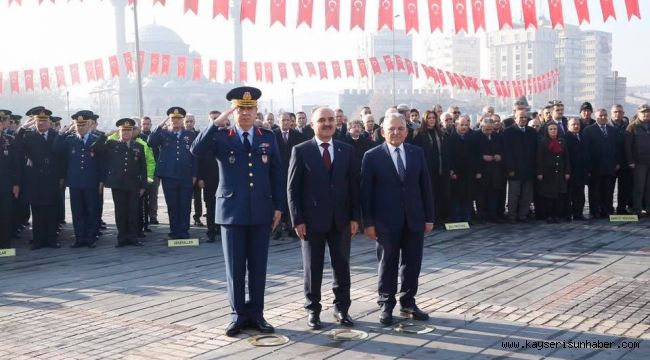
58	34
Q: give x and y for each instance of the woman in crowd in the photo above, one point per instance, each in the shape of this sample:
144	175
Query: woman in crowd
553	172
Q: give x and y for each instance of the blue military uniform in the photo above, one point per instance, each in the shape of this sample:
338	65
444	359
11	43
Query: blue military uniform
251	188
82	178
9	177
176	168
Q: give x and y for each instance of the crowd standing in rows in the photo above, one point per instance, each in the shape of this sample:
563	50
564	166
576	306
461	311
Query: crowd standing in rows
322	179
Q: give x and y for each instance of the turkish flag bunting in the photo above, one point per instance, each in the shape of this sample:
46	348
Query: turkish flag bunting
452	79
478	14
181	69
279	12
114	66
508	88
228	71
459	81
196	69
258	71
220	7
322	69
45	78
13	81
385	17
29	80
497	88
608	9
243	71
74	74
632	7
192	5
517	89
336	69
415	67
530	13
486	87
435	14
399	63
332	10
311	69
460	15
297	70
90	70
166	61
582	8
467	81
212	70
374	64
268	72
358	14
441	75
432	73
99	69
504	14
388	60
128	62
60	75
162	2
555	10
427	72
248	10
409	66
16	1
411	15
349	70
363	69
154	63
141	60
282	69
305	12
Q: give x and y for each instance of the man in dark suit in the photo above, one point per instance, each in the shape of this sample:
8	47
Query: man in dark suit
303	127
359	142
397	205
83	176
580	163
41	180
250	200
624	174
208	180
323	194
126	176
557	117
341	125
601	144
10	156
637	153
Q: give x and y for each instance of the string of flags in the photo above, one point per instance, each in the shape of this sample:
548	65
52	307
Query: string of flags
222	71
411	11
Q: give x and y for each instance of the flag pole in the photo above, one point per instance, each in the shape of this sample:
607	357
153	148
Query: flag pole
137	59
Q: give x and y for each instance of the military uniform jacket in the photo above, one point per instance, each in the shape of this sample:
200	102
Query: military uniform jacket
251	186
42	167
10	169
175	160
83	163
126	167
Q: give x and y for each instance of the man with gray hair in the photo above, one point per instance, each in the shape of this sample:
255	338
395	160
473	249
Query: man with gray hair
397	204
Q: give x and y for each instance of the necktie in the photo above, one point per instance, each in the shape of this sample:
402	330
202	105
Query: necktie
44	136
400	165
604	130
247	144
578	136
523	129
559	126
327	159
286	136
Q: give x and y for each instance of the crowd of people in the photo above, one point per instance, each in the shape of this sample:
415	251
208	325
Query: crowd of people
321	178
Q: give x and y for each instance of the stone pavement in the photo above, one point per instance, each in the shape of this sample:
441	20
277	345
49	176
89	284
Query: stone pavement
492	291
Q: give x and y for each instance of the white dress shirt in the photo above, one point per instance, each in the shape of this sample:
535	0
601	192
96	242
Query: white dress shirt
393	155
330	149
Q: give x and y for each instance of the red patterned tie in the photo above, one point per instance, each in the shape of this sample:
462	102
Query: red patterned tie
327	160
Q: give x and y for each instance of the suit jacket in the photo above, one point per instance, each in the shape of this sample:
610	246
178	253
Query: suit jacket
84	167
10	163
307	132
520	152
360	146
602	150
126	166
251	186
42	169
579	159
175	160
492	172
294	139
386	202
322	199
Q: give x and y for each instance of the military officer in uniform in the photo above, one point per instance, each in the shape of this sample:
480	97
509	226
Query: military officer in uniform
93	129
250	201
82	177
56	126
41	177
177	168
126	176
9	179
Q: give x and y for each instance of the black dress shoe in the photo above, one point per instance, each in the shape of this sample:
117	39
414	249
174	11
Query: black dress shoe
198	223
147	229
212	239
76	245
414	313
92	245
343	318
154	222
313	321
234	328
262	326
137	243
386	317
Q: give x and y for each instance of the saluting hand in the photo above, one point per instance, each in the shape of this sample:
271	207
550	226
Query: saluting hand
224	115
370	233
301	231
277	216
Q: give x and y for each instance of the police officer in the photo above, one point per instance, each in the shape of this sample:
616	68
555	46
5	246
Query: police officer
250	201
82	177
9	179
177	168
41	177
126	175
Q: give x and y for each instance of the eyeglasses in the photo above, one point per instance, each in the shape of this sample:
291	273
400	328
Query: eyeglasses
456	112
